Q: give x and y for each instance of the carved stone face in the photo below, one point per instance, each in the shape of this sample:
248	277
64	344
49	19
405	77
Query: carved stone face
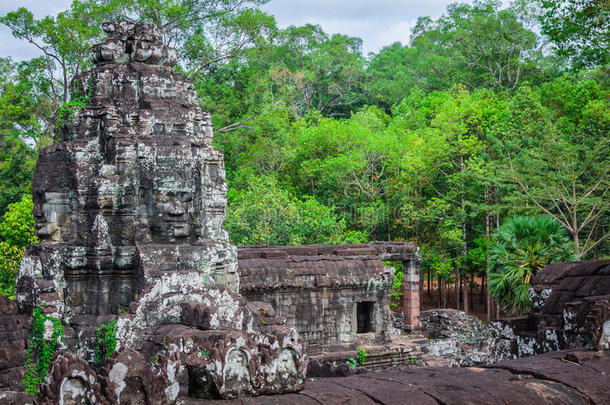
172	214
51	215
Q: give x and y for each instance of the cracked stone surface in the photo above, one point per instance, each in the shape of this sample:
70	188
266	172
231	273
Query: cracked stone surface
566	377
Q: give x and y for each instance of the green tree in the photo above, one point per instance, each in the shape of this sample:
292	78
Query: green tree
63	41
555	153
392	73
483	45
17	226
17	230
17	161
266	214
521	247
579	29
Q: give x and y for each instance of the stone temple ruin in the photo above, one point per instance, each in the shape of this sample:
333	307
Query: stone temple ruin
336	297
130	207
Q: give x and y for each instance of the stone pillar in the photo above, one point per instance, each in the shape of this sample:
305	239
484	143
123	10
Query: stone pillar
411	292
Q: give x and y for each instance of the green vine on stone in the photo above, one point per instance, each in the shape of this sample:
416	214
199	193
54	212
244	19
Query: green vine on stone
77	100
105	341
39	354
352	362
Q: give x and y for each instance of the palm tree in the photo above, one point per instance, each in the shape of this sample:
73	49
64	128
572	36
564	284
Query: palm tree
520	248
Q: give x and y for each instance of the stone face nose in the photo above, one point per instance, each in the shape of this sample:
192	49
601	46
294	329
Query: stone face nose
175	208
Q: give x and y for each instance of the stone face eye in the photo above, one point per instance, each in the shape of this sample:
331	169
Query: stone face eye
185	196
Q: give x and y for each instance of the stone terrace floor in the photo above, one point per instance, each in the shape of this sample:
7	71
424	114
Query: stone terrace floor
566	377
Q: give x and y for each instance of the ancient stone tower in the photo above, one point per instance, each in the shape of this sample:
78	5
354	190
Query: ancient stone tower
130	209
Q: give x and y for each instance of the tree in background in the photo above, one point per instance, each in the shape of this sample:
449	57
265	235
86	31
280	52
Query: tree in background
480	45
556	152
266	214
521	247
17	232
579	29
24	126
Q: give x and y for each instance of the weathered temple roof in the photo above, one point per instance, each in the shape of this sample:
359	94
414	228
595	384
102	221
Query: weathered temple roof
574	298
572	282
274	267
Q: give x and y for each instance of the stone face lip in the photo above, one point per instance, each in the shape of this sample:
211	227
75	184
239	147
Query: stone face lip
130	208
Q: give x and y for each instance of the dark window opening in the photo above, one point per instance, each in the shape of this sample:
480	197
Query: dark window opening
364	314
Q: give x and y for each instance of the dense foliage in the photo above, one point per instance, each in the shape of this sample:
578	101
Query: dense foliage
521	247
489	112
17	232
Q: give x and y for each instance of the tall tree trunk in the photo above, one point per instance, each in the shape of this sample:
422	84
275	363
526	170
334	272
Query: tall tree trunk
471	290
595	252
487	235
458	286
464	252
439	289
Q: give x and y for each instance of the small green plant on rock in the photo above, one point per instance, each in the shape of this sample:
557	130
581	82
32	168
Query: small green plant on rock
352	362
361	356
77	100
39	354
205	352
105	341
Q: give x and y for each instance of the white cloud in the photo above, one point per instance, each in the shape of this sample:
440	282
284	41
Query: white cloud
18	49
398	32
378	23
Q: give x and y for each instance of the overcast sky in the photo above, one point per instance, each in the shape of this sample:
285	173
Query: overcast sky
377	22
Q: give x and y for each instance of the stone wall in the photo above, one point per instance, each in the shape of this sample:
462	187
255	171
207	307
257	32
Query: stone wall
571	306
571	309
332	295
14	336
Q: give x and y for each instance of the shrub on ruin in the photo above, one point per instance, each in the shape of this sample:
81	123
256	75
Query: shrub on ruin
361	356
46	332
105	341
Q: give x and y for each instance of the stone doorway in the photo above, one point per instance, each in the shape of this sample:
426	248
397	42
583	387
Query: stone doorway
365	314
